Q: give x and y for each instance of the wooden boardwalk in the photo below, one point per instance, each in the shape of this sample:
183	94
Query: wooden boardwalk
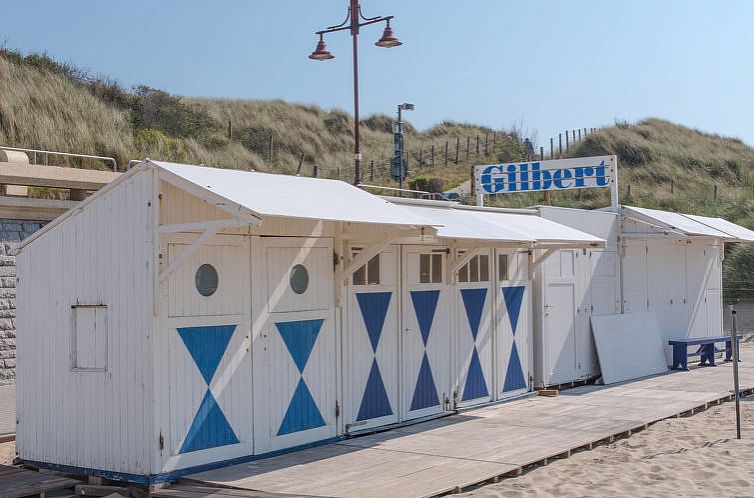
483	445
16	482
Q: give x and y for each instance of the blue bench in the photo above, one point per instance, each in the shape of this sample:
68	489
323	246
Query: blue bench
706	350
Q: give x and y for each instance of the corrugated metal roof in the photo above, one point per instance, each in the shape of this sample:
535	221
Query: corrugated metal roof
294	197
457	224
736	232
544	231
677	221
489	224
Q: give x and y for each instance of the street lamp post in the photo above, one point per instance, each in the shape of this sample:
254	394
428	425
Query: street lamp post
355	20
398	164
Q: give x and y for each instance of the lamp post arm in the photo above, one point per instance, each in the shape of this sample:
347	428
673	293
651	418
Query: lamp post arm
333	29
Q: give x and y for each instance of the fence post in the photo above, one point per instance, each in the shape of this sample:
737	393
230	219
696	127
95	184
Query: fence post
272	145
579	134
560	144
468	141
230	130
494	138
421	156
371	170
486	143
458	144
715	195
300	164
629	190
573	137
446	153
584	132
541	153
432	162
672	186
477	146
551	147
567	144
315	171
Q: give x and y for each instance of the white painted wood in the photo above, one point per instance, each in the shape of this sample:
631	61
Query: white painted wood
465	343
629	346
358	354
439	341
275	375
103	255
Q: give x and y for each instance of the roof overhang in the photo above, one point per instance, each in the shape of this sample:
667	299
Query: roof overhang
688	225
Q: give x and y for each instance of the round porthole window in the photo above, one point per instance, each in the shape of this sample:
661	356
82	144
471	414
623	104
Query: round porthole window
206	280
299	279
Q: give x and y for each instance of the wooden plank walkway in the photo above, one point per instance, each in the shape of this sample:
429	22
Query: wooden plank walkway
193	491
450	454
16	482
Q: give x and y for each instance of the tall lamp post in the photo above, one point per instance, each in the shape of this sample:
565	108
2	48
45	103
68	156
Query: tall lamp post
398	163
355	20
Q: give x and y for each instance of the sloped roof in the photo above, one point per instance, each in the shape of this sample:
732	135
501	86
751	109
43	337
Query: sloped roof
265	194
454	221
692	225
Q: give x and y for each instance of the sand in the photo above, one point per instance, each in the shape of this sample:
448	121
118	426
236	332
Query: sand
697	456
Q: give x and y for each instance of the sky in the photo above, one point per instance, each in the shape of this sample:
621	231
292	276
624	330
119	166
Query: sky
540	66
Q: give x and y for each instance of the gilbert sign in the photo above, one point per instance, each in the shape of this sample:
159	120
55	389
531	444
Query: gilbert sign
537	176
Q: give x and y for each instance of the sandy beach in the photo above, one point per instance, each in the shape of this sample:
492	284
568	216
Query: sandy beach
696	456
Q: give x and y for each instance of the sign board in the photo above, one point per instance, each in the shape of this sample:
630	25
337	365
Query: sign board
539	176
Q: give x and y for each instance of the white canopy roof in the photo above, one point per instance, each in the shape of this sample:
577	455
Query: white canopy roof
454	221
735	231
692	225
265	194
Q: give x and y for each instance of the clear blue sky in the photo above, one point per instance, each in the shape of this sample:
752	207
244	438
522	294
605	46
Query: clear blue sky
543	65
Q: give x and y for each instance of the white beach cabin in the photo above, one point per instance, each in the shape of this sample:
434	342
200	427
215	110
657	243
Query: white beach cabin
663	262
185	317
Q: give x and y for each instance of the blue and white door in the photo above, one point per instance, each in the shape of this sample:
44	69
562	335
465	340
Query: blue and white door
473	374
294	344
514	323
427	333
209	365
370	344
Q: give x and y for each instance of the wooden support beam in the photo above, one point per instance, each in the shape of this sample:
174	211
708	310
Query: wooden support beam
54	176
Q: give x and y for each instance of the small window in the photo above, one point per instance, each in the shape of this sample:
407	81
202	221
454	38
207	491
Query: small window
430	267
484	268
206	280
299	279
502	267
424	271
476	270
369	273
89	341
436	268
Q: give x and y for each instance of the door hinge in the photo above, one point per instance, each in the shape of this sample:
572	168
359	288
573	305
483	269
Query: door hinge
161	441
337	410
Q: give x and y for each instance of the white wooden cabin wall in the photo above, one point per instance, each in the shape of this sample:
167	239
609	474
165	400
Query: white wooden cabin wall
371	336
103	255
427	333
294	345
513	358
206	367
472	369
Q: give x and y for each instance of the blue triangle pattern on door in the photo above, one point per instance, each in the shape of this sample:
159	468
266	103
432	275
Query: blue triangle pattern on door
299	337
373	307
209	429
425	392
302	413
475	386
514	376
513	297
375	402
473	303
425	304
207	345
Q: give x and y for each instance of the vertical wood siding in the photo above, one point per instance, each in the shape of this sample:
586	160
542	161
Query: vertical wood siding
103	255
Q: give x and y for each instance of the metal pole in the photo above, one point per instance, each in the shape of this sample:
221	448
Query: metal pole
357	138
734	345
400	153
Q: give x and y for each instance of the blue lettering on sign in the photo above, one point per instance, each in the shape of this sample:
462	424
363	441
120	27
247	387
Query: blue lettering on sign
525	177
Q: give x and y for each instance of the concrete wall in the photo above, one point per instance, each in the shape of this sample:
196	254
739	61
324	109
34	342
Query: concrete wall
11	233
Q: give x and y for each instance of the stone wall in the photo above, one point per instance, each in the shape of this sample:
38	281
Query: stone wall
11	233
